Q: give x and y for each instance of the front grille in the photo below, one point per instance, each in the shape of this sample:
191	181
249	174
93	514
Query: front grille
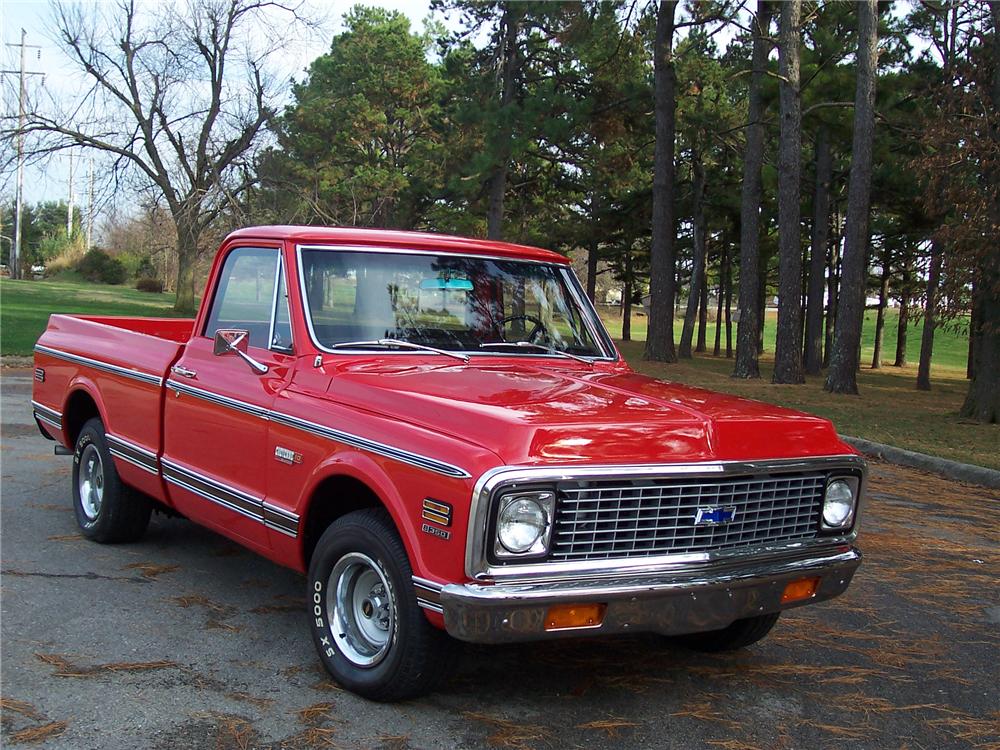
615	518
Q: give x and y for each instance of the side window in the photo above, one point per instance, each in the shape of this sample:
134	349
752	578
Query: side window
244	297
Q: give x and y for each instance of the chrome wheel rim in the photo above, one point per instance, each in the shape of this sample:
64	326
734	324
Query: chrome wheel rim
91	482
360	610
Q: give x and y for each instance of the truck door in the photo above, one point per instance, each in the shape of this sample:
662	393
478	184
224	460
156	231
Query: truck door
216	411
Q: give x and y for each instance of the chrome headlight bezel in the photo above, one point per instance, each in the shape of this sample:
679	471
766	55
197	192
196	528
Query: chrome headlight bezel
853	483
545	500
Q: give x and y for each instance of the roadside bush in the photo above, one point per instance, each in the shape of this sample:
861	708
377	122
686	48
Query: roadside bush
100	267
138	264
147	284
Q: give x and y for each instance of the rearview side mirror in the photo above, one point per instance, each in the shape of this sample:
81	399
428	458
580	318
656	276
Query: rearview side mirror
236	341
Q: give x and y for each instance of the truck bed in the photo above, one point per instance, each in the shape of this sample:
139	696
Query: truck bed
120	363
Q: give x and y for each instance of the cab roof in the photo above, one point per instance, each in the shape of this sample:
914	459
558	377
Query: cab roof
306	235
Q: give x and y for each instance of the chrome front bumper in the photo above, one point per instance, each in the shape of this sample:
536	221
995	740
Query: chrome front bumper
663	600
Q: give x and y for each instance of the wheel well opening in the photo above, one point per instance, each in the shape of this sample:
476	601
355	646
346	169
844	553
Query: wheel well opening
79	409
334	497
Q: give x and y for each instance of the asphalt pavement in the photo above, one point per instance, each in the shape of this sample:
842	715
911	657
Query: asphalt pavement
186	640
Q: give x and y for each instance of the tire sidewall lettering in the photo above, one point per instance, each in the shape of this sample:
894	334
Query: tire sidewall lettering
84	440
317	606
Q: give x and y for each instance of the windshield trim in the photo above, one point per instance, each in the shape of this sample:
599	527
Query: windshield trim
589	315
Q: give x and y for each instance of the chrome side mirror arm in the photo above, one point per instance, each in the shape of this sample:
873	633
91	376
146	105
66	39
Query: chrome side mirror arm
235	340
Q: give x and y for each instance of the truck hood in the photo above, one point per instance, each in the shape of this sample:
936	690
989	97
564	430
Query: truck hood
545	414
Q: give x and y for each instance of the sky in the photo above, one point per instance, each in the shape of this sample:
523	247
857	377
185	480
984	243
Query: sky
51	181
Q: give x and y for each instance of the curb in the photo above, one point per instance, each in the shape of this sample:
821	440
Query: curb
952	469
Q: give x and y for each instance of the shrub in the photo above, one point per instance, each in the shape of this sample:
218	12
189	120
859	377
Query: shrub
100	267
138	265
147	284
145	269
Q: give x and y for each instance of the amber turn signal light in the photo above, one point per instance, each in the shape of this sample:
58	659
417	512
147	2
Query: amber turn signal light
566	616
796	591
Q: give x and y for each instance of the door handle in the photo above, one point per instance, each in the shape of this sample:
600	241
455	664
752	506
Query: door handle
183	371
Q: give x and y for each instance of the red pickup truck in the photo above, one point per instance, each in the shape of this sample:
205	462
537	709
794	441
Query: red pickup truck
441	435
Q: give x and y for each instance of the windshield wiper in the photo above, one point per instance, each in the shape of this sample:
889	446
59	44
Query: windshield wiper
399	343
540	347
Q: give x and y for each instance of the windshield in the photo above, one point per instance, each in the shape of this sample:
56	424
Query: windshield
449	302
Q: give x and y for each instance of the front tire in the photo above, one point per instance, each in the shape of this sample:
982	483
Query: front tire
740	634
107	511
368	629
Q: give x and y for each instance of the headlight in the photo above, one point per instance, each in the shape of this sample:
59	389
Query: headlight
524	524
839	503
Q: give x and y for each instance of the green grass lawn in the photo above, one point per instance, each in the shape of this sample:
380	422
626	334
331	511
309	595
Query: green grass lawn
25	307
888	410
951	344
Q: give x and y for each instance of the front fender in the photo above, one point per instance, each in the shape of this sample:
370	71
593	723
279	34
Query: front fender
377	475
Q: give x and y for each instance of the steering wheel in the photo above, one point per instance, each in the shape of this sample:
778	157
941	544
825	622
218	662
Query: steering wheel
538	326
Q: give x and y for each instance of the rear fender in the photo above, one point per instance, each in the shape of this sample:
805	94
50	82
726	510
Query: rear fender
81	382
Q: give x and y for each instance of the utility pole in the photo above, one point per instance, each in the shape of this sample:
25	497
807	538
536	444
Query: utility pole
90	204
15	255
69	210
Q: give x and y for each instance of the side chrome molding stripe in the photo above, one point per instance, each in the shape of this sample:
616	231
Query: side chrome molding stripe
142	377
134	454
337	436
217	399
44	414
231	498
397	454
428	594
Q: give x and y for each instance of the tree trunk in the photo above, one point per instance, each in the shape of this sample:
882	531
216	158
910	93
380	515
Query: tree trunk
883	301
748	330
723	254
702	345
627	298
662	263
728	270
930	314
982	402
843	374
188	235
788	341
983	399
832	292
765	262
498	179
817	258
974	313
698	262
592	249
902	327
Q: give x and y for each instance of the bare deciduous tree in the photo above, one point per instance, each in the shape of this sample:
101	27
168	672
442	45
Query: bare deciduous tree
178	97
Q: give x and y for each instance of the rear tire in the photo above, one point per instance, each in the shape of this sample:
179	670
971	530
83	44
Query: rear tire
740	634
371	634
107	511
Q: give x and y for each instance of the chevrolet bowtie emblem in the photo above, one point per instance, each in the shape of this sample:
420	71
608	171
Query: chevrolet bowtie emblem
715	516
